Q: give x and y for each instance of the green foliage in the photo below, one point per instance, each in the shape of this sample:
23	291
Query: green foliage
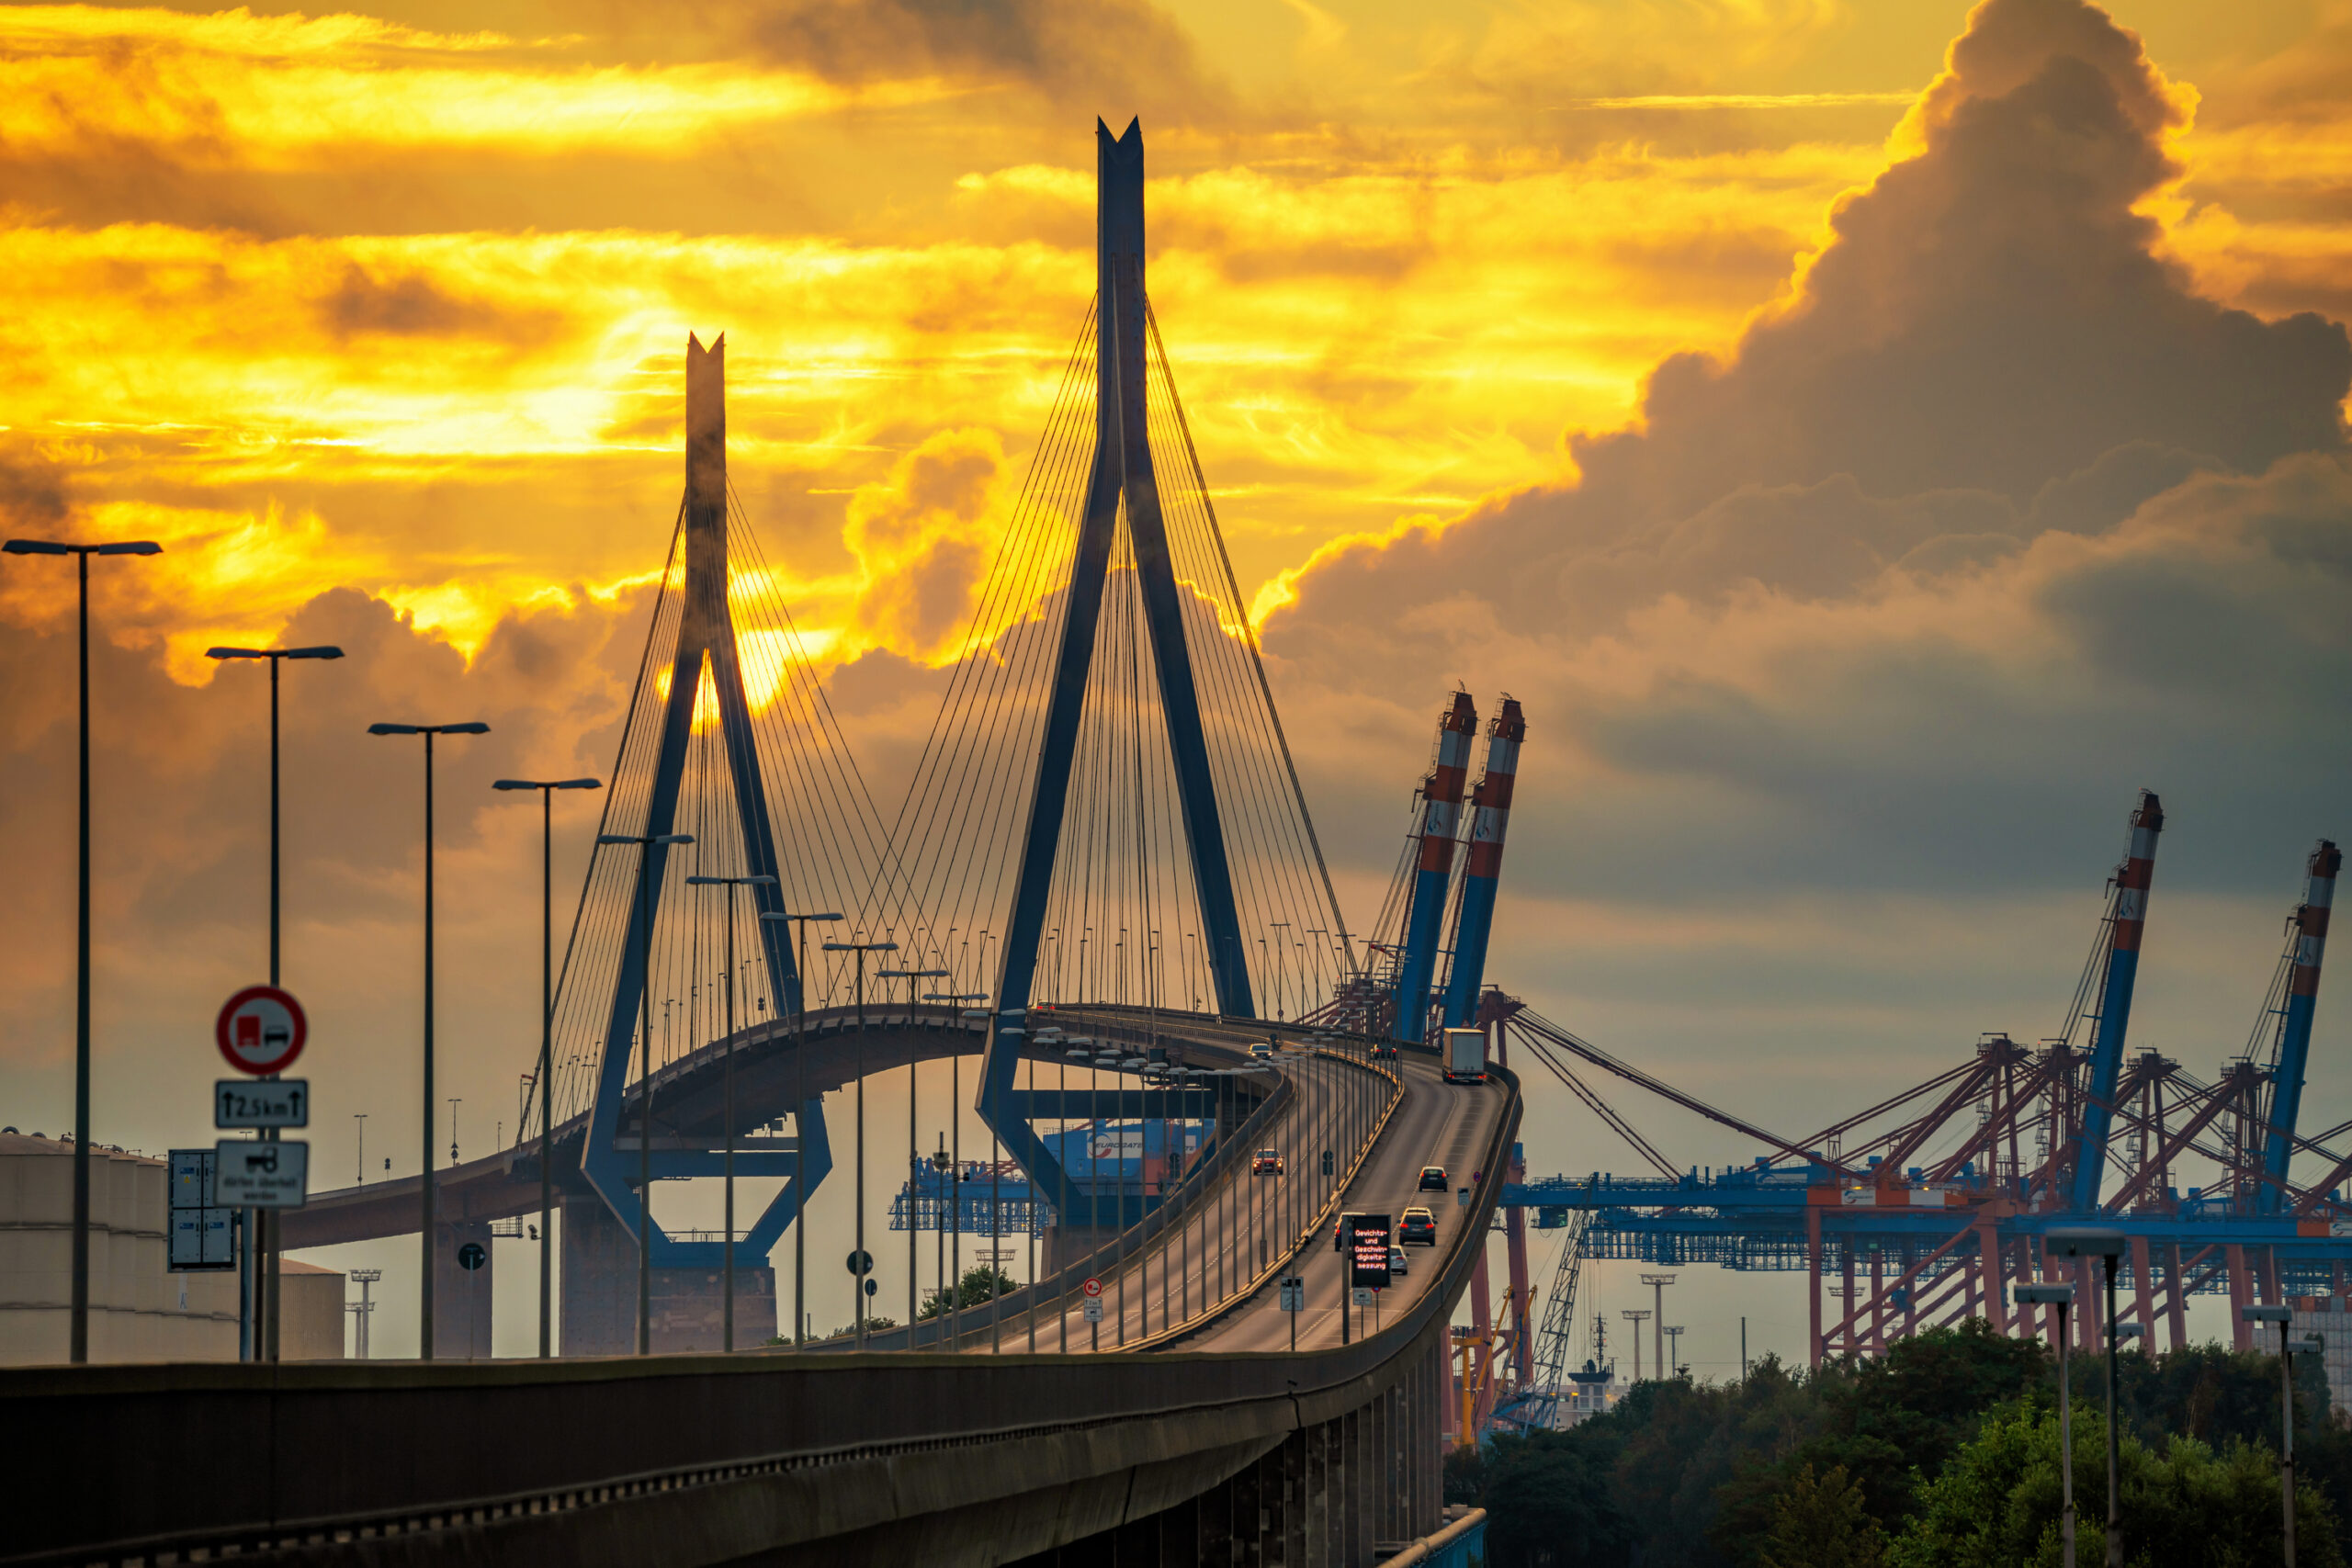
973	1290
1998	1504
1821	1523
1900	1456
1550	1502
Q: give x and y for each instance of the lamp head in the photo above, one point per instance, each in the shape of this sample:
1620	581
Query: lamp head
2266	1313
324	650
35	547
473	728
133	547
396	729
2083	1241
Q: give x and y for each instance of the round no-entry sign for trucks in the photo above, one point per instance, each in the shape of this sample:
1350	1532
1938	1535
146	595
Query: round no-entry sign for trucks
1093	1287
260	1030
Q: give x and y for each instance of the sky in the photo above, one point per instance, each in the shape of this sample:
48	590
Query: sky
1872	440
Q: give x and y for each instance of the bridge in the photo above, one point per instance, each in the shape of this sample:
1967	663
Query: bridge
1183	1064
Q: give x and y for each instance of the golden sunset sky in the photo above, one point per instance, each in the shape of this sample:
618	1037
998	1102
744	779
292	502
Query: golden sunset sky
1872	437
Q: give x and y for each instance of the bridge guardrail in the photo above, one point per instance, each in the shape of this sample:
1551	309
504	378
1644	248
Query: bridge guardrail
107	1465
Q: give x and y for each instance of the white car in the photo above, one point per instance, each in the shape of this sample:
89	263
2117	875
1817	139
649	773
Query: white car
1262	1051
1397	1265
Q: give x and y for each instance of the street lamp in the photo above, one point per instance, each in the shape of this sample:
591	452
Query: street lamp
645	843
426	1179
799	1109
910	976
727	1289
2063	1298
546	789
2310	1345
78	1332
955	1099
2089	1242
857	1248
266	1220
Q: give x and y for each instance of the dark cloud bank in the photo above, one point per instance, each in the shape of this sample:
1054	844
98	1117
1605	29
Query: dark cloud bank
1997	520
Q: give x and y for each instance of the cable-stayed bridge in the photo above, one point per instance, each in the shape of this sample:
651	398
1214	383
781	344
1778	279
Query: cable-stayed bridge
1101	894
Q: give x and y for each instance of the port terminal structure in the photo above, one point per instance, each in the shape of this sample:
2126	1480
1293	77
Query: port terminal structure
1928	1206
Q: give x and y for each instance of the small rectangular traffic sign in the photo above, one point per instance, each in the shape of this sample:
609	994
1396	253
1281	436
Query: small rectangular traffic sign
1293	1293
261	1102
1094	1309
261	1176
1361	1295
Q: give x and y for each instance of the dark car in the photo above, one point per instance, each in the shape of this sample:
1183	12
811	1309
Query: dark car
1432	1178
1418	1225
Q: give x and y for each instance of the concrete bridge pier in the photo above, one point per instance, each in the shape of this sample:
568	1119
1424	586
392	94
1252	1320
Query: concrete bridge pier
599	1263
1339	1493
461	1296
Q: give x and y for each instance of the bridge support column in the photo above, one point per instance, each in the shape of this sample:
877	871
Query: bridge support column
599	1259
1293	1541
461	1295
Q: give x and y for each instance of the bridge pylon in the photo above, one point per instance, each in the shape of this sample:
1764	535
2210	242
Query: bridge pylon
1122	487
690	692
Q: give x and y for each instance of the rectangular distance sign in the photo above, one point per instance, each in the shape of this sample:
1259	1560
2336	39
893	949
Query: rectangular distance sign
261	1102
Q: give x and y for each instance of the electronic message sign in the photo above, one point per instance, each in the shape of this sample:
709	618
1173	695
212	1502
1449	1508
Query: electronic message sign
1368	1240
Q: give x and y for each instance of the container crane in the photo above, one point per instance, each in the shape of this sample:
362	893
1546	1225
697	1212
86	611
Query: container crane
1489	820
1433	873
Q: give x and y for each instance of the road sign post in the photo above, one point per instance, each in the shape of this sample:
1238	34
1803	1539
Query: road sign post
260	1030
1294	1301
1092	1291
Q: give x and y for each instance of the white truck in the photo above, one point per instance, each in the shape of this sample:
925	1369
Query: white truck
1465	1055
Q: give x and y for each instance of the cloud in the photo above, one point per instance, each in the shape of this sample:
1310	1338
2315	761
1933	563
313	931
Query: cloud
1993	519
923	540
1130	53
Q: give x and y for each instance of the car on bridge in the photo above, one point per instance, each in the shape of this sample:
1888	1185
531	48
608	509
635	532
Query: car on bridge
1261	1050
1396	1261
1418	1225
1342	1226
1432	1178
1266	1162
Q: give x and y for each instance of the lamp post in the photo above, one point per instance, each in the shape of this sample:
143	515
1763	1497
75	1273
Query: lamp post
2063	1298
726	1288
2310	1345
914	1155
954	1096
78	1331
857	1248
2107	1246
547	1042
645	843
426	1179
268	1295
799	1134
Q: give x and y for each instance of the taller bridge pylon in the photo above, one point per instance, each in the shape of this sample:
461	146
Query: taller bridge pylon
1107	800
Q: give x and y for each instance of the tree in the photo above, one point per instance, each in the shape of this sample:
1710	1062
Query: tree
973	1290
1998	1504
1550	1504
1822	1524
